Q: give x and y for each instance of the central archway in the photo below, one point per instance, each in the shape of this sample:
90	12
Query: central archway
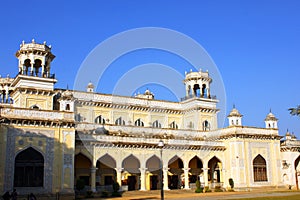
29	169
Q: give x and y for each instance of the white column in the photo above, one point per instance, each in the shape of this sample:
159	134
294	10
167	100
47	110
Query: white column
119	175
143	179
165	171
186	178
223	178
93	179
205	172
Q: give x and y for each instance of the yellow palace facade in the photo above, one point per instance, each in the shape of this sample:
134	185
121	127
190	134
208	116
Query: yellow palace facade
51	138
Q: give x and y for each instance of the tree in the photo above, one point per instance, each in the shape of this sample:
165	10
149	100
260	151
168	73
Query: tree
295	111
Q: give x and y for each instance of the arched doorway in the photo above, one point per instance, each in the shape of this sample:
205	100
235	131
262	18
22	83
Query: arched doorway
153	167
106	173
259	169
83	169
214	172
195	166
29	169
131	173
175	166
297	172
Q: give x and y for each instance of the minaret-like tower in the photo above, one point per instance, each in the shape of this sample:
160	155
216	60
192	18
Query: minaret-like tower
35	59
271	121
234	117
197	84
34	84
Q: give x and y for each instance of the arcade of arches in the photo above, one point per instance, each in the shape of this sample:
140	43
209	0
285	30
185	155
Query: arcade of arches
132	176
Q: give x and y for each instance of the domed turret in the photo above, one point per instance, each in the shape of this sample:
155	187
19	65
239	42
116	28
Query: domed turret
271	120
35	59
234	117
197	84
147	95
90	87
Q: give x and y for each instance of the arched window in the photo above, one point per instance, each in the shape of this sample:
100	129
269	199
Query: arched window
156	124
37	66
120	121
67	107
260	169
29	169
174	125
139	122
206	125
100	120
203	92
237	122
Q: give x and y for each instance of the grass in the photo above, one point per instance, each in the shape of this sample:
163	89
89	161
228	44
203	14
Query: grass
289	197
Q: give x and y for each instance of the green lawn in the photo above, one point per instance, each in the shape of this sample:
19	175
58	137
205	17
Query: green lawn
289	197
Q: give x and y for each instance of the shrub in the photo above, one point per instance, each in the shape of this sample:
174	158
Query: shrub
218	189
104	194
199	190
116	187
206	189
80	184
89	194
231	183
198	184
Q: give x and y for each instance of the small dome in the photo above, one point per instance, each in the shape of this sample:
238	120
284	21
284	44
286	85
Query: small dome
234	113
90	85
147	92
271	117
287	133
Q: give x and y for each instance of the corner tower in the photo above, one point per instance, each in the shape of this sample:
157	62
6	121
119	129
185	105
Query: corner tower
34	84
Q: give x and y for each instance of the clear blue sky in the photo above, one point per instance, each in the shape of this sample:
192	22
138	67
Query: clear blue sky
255	44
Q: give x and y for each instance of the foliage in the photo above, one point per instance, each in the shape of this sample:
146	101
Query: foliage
206	189
218	189
231	183
89	194
199	189
295	111
116	186
104	194
80	184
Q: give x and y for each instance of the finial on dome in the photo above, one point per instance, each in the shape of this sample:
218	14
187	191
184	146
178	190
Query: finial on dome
50	46
33	41
44	43
233	106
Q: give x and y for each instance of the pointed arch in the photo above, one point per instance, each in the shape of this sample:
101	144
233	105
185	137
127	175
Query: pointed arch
214	172
195	165
153	163
106	170
175	166
120	121
131	164
260	169
29	168
83	166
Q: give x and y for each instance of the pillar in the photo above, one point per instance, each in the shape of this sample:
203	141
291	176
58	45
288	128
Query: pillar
31	69
93	179
143	179
186	178
223	178
205	173
119	175
165	175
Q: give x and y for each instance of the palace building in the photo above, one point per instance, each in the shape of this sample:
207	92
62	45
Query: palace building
51	138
